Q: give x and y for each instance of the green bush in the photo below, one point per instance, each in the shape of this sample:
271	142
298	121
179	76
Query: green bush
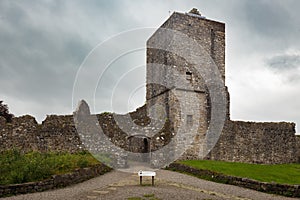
82	163
17	167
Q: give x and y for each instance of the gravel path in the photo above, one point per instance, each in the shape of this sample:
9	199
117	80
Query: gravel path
168	185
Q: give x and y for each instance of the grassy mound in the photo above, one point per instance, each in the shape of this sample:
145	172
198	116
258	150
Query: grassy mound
279	173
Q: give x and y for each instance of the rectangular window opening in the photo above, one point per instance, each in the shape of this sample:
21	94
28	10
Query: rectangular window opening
188	76
189	120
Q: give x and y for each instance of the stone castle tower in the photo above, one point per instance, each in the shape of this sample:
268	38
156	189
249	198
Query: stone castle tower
175	84
181	102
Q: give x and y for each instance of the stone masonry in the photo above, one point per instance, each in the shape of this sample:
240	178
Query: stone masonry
248	142
239	141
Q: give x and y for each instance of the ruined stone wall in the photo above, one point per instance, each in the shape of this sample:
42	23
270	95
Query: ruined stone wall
254	142
298	147
56	133
20	133
249	142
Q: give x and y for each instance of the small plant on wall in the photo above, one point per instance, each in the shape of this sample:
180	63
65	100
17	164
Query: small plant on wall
4	112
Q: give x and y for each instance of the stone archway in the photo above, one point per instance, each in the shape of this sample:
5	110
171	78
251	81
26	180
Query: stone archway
140	144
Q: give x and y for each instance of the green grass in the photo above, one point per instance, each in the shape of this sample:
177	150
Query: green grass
16	167
148	195
280	173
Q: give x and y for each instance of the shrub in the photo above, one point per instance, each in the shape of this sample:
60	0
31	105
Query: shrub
17	167
5	113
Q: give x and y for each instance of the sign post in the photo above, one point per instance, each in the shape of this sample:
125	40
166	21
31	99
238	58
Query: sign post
146	173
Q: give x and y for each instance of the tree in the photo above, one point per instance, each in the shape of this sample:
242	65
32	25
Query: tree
5	113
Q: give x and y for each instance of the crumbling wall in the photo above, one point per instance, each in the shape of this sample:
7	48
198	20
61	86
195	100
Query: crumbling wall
253	142
298	147
56	133
249	142
20	133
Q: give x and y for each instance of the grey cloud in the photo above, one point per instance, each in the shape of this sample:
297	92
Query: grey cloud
42	44
284	62
286	66
263	26
267	18
41	49
38	64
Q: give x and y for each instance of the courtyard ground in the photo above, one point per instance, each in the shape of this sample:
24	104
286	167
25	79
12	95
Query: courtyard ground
168	185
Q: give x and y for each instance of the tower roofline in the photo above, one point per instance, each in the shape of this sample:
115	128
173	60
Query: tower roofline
197	16
191	15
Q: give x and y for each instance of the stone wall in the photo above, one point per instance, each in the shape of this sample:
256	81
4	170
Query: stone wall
56	133
20	133
298	147
208	33
56	181
254	142
250	142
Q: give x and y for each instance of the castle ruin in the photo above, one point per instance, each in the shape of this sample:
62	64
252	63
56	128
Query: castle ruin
250	142
239	141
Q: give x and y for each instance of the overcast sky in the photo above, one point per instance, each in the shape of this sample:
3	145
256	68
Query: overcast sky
43	44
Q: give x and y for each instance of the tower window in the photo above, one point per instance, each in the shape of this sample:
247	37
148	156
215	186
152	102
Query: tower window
188	76
189	120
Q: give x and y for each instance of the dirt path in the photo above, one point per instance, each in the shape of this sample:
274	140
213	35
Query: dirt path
168	185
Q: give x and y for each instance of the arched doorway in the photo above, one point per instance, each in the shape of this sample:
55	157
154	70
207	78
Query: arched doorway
140	144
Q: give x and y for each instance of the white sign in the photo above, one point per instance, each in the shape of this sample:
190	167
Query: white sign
146	173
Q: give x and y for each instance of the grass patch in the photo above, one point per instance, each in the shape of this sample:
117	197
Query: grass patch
148	195
279	173
17	167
